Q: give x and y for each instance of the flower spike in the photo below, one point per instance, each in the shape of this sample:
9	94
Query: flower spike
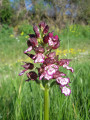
46	64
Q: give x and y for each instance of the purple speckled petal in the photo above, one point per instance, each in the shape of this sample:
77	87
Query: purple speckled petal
40	58
56	45
66	91
50	42
51	71
45	75
48	77
55	38
62	81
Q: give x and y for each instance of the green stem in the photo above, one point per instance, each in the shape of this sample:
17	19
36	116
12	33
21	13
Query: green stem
46	103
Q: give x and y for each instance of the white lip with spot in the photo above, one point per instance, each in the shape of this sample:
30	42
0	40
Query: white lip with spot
62	81
66	91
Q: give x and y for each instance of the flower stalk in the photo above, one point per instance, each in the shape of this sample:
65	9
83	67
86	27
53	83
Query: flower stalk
46	103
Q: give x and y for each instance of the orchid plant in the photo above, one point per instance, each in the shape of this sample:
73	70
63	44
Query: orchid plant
43	43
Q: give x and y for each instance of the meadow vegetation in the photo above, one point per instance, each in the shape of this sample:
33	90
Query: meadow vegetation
20	100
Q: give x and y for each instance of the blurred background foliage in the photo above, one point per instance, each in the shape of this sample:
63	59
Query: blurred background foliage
56	12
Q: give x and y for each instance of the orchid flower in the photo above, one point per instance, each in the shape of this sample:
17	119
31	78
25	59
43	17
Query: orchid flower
50	62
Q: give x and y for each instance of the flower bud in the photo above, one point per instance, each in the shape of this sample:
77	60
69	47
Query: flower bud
28	66
46	29
32	75
32	41
31	56
45	39
36	30
42	25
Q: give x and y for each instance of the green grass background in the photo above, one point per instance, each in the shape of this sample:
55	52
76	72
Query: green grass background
20	100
